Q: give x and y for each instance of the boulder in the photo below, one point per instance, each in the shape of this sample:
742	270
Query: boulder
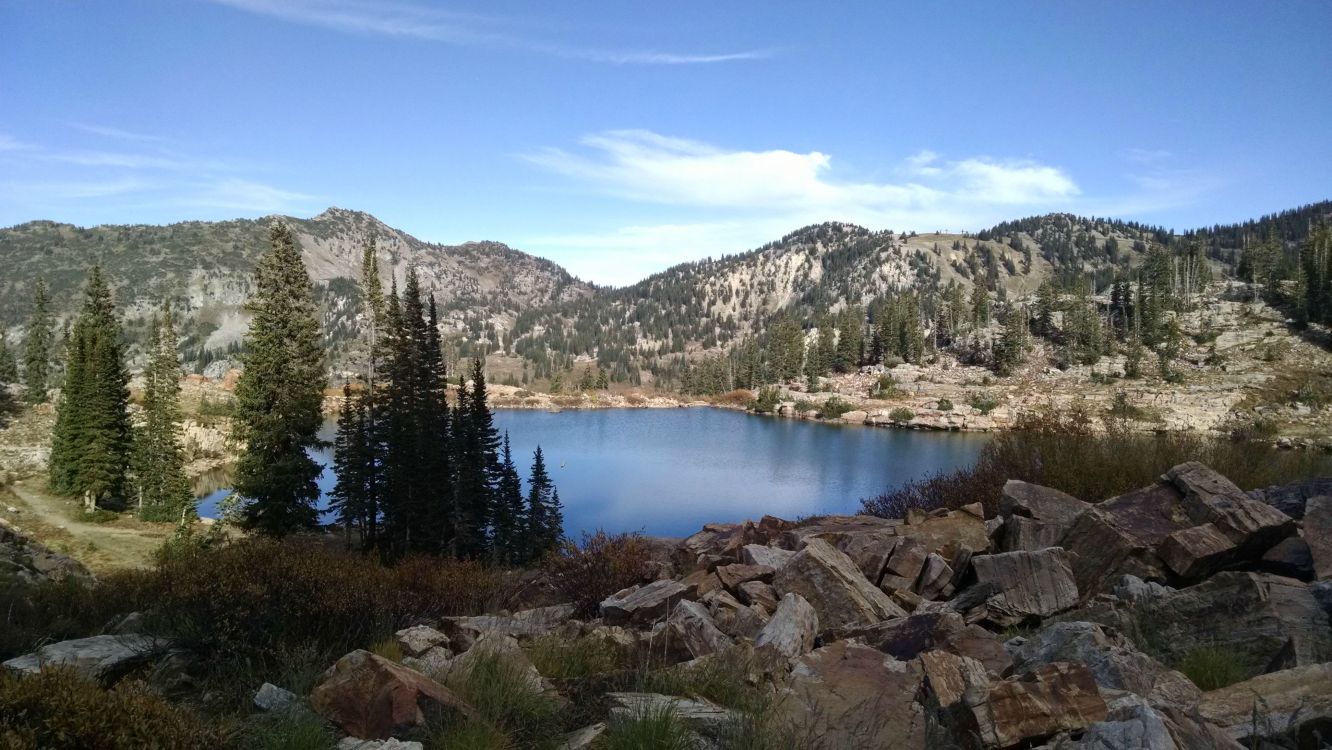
903	567
870	551
1251	525
692	627
760	554
1036	517
270	697
848	695
908	637
720	540
948	677
733	618
532	623
936	578
698	715
733	575
503	648
641	605
834	529
99	657
791	629
1294	703
434	663
1318	533
1198	551
1030	584
832	583
951	532
419	639
1036	705
1119	537
1291	557
1114	663
1135	725
758	594
702	582
370	697
1291	498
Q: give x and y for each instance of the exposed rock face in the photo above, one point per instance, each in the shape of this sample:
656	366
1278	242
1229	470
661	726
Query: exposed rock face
853	696
792	628
733	575
372	698
733	618
1030	584
1119	537
1253	527
27	560
832	583
1318	534
1113	662
1036	517
1294	702
100	657
759	554
691	626
644	604
1050	699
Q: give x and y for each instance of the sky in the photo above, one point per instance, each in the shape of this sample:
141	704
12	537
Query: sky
619	138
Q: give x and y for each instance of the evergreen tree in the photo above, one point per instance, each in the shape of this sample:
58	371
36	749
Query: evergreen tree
545	516
92	439
850	339
280	395
1047	304
1011	351
980	306
353	500
37	346
512	544
8	366
476	466
159	463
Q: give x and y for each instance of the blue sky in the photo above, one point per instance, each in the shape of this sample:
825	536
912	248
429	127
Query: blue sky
619	138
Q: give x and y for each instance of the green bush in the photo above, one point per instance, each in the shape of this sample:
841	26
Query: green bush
648	729
601	566
1214	667
901	415
560	657
766	401
805	406
55	709
984	402
885	387
835	407
944	405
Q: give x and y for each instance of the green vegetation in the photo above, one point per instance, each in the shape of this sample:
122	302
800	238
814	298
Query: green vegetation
649	729
901	415
290	729
944	405
37	346
158	462
835	407
1214	667
507	703
984	402
560	657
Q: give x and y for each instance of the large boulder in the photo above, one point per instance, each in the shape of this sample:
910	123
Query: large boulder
370	697
1318	534
1293	704
418	639
1036	517
100	657
1113	662
836	588
1134	725
691	627
732	576
758	594
948	534
902	569
642	605
906	638
1120	536
761	554
1036	705
1252	526
791	629
848	695
733	618
1029	584
1291	498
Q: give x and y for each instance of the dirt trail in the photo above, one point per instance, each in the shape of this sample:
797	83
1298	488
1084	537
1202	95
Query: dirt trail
101	546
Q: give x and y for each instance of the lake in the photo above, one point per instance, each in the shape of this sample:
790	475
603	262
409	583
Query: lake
669	471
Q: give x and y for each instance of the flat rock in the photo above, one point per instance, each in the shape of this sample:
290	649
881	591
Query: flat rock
697	715
370	697
1036	705
758	594
419	639
834	586
1114	663
1297	700
733	575
761	554
906	638
585	738
1030	584
848	695
792	628
99	657
1251	525
954	531
644	604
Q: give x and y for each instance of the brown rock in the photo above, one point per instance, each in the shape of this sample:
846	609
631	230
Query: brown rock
949	676
1295	703
903	567
847	695
733	618
1030	584
758	554
908	637
692	627
1050	699
1253	526
644	604
733	575
946	535
834	586
1198	551
833	529
758	594
791	629
1318	533
702	582
1120	536
936	578
1040	503
370	697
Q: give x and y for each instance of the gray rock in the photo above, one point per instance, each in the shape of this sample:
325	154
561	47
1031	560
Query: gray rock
692	627
936	578
1294	702
697	715
392	743
792	628
419	639
759	554
1318	533
1134	725
1030	584
848	695
1036	517
1291	557
97	657
1211	498
733	618
270	697
758	594
834	586
1291	498
643	604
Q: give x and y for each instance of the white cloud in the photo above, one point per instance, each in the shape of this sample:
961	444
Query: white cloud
116	133
250	196
70	190
435	24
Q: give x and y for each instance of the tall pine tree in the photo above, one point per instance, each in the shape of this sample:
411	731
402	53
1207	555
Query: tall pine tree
279	395
545	517
159	463
37	346
92	439
8	365
511	540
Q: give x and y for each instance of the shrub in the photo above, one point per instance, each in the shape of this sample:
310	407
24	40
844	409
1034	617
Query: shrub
648	729
804	406
944	405
737	397
884	387
1315	391
55	709
293	729
984	402
1214	667
901	415
601	566
766	401
1259	428
389	648
434	587
559	657
505	700
35	613
835	407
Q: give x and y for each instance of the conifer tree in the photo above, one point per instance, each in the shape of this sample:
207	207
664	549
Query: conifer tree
476	466
512	543
980	305
280	395
545	516
354	498
37	346
159	463
8	365
1011	350
92	439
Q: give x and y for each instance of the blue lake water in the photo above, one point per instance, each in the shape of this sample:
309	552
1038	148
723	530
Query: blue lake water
669	471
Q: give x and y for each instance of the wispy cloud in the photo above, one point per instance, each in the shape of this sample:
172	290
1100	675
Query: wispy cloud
116	133
472	30
250	196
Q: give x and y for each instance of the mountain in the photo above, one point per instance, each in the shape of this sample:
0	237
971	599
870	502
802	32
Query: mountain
205	269
534	320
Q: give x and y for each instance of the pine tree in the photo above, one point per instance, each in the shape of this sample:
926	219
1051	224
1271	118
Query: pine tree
8	366
476	466
280	395
92	440
980	306
1047	303
1011	350
354	500
511	541
37	346
545	516
159	463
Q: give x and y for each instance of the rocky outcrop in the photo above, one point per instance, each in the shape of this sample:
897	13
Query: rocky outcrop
692	628
1029	584
370	697
1293	705
1318	534
1042	703
25	559
832	583
644	604
850	695
1036	517
792	628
